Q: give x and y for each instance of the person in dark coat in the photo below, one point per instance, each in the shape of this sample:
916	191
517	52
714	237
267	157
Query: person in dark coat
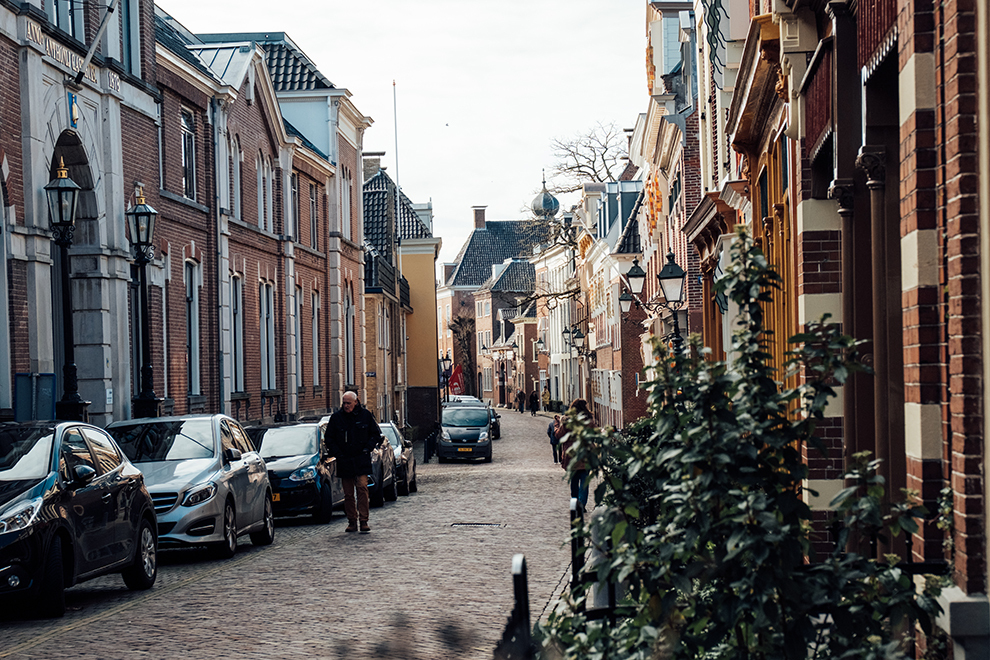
352	433
534	403
554	441
579	480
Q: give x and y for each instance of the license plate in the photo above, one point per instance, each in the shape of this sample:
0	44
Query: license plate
463	449
275	497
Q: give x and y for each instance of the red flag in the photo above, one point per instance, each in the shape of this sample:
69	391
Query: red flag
457	381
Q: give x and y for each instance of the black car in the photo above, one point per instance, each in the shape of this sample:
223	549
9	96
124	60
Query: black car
72	507
460	402
405	459
304	479
465	432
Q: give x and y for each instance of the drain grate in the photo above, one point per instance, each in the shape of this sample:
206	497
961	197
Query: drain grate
476	524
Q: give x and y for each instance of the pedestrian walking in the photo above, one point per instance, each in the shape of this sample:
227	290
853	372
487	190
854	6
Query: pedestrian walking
352	433
546	397
554	441
534	403
578	412
521	401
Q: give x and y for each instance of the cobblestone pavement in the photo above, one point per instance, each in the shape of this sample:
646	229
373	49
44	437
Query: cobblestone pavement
432	580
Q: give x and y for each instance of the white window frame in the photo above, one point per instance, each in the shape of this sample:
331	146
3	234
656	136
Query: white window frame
314	229
298	332
266	323
294	202
235	176
315	313
193	281
237	332
188	133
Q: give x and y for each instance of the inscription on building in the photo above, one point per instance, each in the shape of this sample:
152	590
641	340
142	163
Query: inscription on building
61	54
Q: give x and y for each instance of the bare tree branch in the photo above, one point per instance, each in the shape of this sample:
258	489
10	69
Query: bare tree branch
597	155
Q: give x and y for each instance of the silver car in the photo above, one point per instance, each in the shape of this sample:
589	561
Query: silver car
208	483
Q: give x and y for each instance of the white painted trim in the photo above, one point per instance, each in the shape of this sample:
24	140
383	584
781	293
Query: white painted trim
811	307
923	430
827	489
919	259
916	85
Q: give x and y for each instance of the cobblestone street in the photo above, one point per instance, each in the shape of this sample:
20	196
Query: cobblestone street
432	580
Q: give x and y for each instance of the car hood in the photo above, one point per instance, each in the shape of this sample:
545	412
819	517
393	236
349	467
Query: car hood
460	432
25	489
176	475
288	464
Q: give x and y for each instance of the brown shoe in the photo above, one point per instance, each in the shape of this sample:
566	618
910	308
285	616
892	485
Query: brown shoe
365	528
351	526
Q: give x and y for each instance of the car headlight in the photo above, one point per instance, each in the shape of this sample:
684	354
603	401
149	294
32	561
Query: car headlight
482	436
199	494
20	516
304	474
445	434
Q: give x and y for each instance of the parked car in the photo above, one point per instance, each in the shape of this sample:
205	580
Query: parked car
208	483
405	459
382	480
303	477
72	507
471	401
465	432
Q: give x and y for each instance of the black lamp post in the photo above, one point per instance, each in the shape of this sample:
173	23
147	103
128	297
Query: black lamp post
446	363
671	278
141	225
63	195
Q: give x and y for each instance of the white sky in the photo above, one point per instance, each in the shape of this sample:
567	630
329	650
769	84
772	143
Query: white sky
481	87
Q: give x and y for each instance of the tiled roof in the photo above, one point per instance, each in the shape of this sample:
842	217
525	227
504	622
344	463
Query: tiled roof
518	277
498	241
175	38
289	67
293	131
379	199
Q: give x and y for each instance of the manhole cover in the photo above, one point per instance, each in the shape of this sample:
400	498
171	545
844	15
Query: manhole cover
475	524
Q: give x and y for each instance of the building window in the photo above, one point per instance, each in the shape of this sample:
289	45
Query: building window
314	233
237	332
235	178
135	293
266	322
299	336
259	165
188	155
315	313
161	146
345	204
192	327
67	15
269	196
349	346
294	183
130	32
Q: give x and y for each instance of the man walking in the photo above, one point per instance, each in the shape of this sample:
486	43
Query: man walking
351	434
554	442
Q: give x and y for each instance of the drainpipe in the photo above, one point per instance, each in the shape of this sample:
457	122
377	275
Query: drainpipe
214	113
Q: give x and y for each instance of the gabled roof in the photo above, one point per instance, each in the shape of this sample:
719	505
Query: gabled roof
176	38
518	276
379	198
498	241
289	67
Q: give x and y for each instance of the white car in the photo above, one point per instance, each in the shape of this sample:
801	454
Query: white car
208	483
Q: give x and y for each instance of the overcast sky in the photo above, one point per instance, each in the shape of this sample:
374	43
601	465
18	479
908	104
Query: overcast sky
481	87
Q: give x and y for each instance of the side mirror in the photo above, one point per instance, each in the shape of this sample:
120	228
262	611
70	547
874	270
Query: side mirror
84	474
231	454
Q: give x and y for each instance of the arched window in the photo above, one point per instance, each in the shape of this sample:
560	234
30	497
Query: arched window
235	178
269	196
259	165
266	325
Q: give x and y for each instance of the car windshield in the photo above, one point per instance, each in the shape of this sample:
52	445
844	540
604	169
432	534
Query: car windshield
287	441
389	432
177	440
25	453
465	416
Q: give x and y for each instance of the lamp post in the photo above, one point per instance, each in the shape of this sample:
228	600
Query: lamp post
447	362
671	278
63	194
141	225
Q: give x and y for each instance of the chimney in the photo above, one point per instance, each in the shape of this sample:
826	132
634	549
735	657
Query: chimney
479	216
372	162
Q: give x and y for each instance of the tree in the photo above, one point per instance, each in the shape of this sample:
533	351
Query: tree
597	155
462	329
705	524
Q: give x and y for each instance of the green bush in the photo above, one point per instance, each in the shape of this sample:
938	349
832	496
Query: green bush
707	528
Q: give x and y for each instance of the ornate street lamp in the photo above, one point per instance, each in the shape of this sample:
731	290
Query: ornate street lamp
446	362
141	226
671	278
625	301
578	338
636	277
540	345
63	195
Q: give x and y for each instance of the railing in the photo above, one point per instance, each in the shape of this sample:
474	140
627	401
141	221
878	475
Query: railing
517	641
873	23
818	96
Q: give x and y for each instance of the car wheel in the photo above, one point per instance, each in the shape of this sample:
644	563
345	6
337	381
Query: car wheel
391	493
488	459
325	512
413	486
50	601
141	574
403	486
266	535
441	459
377	498
225	549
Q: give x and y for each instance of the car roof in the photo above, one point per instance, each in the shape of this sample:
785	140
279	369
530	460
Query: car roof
173	418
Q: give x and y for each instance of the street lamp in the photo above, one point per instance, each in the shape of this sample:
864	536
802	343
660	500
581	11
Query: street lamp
540	345
625	301
63	195
446	362
141	226
636	277
671	278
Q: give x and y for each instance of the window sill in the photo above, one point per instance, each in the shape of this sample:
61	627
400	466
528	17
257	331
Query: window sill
185	201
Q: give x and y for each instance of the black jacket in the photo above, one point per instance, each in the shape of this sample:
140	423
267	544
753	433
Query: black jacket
350	438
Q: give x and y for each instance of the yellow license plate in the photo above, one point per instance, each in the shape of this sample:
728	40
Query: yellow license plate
275	497
463	449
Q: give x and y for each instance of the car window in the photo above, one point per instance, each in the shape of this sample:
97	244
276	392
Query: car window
226	437
465	417
107	458
283	441
25	453
73	452
389	432
241	439
175	440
